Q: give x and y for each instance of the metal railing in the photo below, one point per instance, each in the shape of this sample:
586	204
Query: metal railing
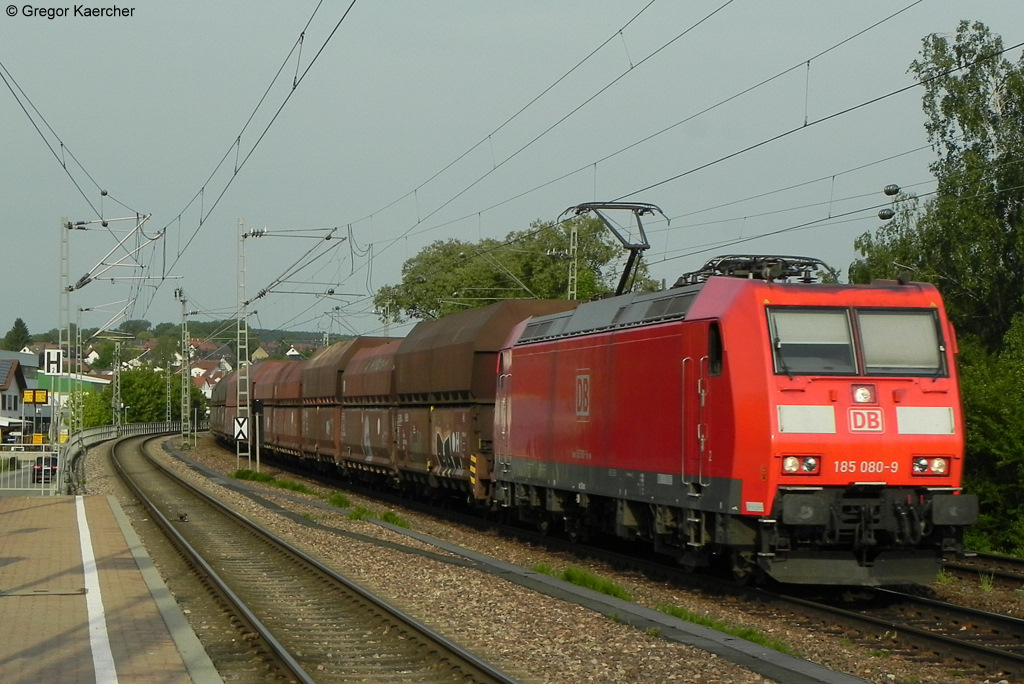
15	457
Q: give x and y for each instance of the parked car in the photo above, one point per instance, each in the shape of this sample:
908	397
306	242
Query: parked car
45	469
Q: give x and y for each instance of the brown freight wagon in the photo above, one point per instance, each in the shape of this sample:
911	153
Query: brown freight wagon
287	436
368	417
445	382
322	384
266	383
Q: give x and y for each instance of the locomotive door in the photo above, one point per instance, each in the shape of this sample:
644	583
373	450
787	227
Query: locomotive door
697	368
503	409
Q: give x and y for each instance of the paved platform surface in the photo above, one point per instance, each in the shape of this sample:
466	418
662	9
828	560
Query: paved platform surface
80	600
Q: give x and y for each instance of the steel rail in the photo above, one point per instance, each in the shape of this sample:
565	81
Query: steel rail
475	668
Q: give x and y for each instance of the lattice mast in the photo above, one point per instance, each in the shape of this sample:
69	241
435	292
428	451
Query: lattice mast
242	345
115	386
186	371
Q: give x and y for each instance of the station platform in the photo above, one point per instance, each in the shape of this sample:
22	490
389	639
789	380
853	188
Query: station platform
80	600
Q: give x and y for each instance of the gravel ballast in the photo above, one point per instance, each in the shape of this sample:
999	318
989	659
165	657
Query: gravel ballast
537	638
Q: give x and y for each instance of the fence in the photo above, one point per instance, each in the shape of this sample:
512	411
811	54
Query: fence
15	476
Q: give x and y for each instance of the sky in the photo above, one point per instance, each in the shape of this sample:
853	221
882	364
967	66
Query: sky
387	125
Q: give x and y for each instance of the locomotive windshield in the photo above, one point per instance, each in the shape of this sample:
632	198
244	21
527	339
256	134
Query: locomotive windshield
812	341
826	341
900	342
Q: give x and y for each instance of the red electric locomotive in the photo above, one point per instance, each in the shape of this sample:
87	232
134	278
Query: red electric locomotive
806	431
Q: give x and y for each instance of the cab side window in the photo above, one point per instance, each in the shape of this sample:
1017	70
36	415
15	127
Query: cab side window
714	349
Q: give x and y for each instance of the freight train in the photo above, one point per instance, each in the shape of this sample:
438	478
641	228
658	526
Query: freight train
749	416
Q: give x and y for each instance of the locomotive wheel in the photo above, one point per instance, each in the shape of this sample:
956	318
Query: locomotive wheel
744	570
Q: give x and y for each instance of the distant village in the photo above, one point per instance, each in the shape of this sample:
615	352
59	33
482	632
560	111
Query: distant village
26	369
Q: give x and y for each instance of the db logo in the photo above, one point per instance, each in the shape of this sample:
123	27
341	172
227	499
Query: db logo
866	420
583	396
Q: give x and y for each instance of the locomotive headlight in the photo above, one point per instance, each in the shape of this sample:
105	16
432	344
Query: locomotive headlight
864	394
801	465
930	465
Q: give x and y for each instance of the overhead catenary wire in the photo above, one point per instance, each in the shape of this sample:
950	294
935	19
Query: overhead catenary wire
411	231
561	120
815	122
236	153
25	103
407	232
237	144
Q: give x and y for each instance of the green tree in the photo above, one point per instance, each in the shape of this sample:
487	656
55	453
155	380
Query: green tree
968	240
165	350
53	335
137	328
452	275
990	385
167	330
18	336
144	394
96	409
105	351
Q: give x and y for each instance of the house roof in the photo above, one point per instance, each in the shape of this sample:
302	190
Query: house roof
11	374
26	360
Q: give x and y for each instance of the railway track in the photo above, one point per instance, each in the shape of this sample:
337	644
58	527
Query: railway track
987	567
312	624
965	639
960	638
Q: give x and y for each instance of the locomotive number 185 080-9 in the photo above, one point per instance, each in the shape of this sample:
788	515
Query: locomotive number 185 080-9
866	467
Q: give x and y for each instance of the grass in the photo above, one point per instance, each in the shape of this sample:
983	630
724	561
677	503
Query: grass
339	500
361	513
290	485
252	476
336	499
585	578
747	633
394	519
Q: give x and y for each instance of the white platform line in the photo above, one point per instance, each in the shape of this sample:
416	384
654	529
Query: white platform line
99	639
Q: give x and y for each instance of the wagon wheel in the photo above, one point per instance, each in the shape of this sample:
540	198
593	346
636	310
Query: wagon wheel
576	530
689	561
